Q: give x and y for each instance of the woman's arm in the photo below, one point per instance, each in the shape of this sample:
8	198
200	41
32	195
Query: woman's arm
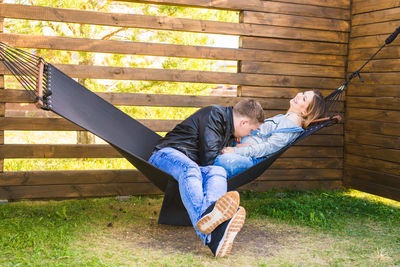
270	145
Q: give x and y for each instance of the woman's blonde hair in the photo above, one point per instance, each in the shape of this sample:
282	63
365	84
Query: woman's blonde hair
315	109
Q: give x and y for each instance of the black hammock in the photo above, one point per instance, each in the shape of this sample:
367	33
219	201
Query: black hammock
53	90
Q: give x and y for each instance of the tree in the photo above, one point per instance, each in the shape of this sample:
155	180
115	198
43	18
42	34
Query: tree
128	34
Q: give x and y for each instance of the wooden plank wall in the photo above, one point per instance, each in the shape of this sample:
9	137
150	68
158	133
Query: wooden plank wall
2	103
372	128
286	46
312	55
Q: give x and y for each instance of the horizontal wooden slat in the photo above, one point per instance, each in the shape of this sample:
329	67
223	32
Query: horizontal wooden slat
77	190
318	139
262	186
389	52
273	174
373	152
382	78
386	103
106	151
164	23
275	92
221	4
124	189
133	176
71	177
378	65
294	21
372	139
385	179
328	9
372	164
60	124
373	188
165	50
373	90
373	29
373	127
345	4
373	115
362	6
376	16
291	69
157	100
120	73
371	41
293	46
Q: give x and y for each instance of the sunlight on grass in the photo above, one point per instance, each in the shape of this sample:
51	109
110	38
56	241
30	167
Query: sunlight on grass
373	198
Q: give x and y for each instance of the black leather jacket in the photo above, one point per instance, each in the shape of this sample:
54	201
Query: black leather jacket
202	136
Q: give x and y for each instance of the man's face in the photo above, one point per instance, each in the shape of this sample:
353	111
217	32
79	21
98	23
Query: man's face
245	127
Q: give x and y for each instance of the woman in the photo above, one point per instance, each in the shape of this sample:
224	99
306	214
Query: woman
273	134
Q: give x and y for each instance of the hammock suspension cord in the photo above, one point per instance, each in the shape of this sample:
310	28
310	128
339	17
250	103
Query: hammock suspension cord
30	71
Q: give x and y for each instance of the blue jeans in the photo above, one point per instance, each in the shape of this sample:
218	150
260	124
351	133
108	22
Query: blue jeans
199	187
234	163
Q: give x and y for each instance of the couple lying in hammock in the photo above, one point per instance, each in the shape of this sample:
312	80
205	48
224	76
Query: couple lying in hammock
214	144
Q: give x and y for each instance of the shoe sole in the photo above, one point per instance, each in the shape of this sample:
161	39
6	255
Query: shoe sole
234	227
224	209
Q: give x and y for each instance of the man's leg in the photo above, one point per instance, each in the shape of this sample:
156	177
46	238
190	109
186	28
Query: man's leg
189	178
218	205
224	219
214	185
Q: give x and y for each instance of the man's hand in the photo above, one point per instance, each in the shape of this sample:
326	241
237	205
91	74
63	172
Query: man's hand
228	149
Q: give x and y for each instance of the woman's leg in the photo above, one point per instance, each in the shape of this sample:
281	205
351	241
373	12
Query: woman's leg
233	163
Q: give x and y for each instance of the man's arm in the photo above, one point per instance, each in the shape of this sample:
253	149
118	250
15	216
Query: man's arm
211	137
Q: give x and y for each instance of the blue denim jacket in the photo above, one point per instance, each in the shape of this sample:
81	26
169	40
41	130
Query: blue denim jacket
272	135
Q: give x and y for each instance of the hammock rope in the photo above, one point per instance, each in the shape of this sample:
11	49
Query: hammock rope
29	70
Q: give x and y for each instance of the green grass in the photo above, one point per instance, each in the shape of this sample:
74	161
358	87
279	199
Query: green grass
322	210
312	228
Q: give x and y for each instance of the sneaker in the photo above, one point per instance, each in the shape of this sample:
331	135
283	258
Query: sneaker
222	210
223	236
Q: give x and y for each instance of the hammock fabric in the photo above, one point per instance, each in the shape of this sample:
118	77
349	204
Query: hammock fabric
55	91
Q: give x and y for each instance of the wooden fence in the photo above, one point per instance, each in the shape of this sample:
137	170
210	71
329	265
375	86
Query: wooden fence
285	47
372	128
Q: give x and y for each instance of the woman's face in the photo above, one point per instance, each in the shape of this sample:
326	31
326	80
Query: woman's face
300	102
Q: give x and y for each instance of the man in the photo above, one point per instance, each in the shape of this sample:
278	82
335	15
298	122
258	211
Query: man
188	152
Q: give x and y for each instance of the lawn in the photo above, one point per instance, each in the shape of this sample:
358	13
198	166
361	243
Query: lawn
291	228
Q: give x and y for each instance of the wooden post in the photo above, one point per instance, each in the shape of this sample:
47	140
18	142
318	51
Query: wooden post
84	137
2	104
39	84
239	64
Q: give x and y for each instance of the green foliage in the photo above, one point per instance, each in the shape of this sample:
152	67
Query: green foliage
49	28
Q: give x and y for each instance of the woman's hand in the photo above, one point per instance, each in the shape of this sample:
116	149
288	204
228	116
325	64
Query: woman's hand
228	149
